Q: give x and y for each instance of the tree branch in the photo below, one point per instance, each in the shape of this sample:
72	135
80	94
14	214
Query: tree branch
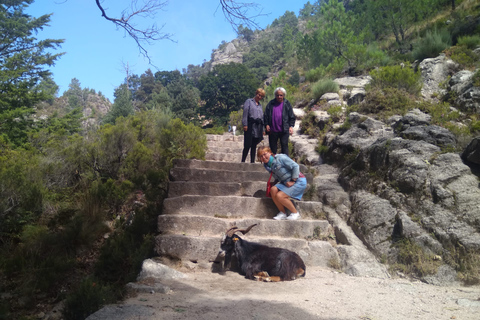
141	36
237	13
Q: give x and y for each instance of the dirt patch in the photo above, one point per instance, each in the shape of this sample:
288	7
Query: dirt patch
322	294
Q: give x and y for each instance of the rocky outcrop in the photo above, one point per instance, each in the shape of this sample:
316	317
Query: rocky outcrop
472	151
352	89
466	95
434	72
402	186
230	52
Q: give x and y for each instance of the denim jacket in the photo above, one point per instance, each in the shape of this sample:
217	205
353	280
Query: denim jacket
284	169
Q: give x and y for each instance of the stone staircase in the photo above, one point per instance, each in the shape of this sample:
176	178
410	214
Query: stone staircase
207	197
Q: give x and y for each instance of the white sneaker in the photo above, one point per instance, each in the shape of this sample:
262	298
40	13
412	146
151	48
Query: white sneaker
294	216
280	216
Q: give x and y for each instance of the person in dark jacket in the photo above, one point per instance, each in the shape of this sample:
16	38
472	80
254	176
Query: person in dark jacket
279	120
252	122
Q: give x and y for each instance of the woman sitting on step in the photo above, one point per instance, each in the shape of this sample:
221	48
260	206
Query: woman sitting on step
292	183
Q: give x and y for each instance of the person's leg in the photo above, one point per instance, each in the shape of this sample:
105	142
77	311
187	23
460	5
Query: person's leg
274	192
284	142
247	143
281	215
253	150
282	200
272	141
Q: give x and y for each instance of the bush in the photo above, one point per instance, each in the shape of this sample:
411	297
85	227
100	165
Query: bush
294	79
323	86
476	79
309	126
89	297
335	112
236	120
315	74
463	56
374	57
387	102
470	42
432	44
397	77
413	260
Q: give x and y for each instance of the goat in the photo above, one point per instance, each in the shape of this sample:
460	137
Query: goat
258	261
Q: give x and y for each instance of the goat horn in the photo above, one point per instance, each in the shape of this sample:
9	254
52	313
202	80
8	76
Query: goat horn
231	231
246	230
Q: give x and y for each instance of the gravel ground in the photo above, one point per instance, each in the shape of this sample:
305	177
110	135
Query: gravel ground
322	294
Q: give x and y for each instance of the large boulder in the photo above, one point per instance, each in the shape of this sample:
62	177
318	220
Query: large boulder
407	188
467	96
472	151
434	72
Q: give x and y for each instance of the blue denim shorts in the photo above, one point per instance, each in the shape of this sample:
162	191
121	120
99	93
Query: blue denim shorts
296	191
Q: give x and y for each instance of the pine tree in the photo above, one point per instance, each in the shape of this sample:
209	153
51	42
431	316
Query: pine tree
24	62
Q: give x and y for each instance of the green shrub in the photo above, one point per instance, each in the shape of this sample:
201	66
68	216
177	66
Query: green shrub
122	255
387	102
215	130
41	261
432	44
315	74
323	86
89	297
294	78
180	141
476	79
309	125
470	42
463	56
397	77
412	259
374	57
236	120
335	113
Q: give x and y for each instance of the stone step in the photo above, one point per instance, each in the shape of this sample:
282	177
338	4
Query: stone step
249	188
224	137
210	226
204	248
211	175
232	149
235	207
221	156
225	144
219	165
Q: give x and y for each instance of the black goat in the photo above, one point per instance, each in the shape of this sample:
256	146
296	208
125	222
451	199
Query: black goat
260	262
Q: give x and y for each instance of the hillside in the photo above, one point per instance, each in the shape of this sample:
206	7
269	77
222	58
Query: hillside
387	130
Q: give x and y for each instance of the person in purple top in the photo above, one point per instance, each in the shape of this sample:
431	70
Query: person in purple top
252	122
279	120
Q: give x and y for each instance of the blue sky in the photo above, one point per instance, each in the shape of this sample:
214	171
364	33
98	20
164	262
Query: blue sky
96	53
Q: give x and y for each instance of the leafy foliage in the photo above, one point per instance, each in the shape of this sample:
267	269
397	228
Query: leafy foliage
432	44
225	89
387	102
122	107
324	86
23	67
399	77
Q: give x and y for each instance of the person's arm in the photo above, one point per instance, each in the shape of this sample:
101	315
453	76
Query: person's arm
246	109
291	118
266	117
292	166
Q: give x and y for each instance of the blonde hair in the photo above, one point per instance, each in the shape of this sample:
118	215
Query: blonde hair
261	151
261	91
